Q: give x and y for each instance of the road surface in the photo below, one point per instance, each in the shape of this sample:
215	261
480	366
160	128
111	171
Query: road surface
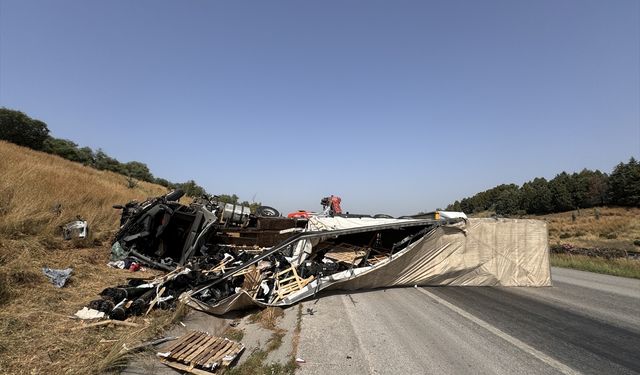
586	323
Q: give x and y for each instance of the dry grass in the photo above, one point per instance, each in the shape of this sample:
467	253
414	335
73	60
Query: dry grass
617	228
35	327
616	267
268	318
33	184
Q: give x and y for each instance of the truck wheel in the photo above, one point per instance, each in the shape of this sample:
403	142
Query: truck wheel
266	211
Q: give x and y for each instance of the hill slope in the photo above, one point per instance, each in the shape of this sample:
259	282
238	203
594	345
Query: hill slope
34	184
35	329
604	227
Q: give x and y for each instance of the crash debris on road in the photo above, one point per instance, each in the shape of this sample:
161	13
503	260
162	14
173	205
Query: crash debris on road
220	257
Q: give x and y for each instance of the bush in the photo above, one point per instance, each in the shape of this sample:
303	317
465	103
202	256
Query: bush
18	128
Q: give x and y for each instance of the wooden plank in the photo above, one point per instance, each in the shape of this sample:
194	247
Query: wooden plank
106	322
177	350
181	367
193	347
155	300
235	355
203	347
252	279
195	350
346	253
220	354
179	341
214	351
198	360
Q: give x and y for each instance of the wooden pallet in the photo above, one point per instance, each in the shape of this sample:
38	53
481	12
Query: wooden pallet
200	353
288	282
347	254
252	280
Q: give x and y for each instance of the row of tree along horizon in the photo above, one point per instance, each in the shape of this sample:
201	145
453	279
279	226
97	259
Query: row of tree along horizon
564	192
17	127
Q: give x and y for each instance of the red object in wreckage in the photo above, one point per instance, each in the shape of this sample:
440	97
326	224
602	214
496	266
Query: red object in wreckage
302	214
335	204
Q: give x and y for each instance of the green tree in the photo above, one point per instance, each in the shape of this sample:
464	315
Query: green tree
596	188
225	198
536	197
164	182
86	156
561	193
508	200
624	184
69	150
18	128
455	206
191	188
107	163
138	170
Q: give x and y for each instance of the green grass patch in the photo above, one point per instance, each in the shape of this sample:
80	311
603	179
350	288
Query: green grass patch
234	334
616	267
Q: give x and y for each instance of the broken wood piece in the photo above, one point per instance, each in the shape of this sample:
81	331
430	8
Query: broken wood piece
252	280
288	282
106	322
145	344
221	267
375	259
155	300
181	367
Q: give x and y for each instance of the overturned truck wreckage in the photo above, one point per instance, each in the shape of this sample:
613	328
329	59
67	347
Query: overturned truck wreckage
222	258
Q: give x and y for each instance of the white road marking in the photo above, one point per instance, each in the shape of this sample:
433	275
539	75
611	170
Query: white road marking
519	344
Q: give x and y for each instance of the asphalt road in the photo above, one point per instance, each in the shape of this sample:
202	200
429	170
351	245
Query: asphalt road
586	323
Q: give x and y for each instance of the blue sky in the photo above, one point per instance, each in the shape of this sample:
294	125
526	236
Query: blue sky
395	106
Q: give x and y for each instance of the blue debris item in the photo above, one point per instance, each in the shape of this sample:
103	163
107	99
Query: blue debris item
58	277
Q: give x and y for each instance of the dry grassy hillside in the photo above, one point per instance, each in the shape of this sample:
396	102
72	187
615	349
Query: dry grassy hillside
615	228
36	333
34	184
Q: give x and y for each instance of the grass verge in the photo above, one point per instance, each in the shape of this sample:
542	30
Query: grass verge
256	363
616	267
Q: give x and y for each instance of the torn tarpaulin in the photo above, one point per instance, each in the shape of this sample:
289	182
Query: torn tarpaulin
58	277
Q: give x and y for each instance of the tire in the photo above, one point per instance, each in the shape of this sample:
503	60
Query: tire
175	195
266	211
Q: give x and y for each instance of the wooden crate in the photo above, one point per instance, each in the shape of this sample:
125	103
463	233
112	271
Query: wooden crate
288	282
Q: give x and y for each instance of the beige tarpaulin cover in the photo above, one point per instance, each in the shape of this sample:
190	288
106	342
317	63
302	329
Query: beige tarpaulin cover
476	252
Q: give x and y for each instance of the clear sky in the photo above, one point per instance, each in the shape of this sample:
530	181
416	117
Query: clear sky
396	106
